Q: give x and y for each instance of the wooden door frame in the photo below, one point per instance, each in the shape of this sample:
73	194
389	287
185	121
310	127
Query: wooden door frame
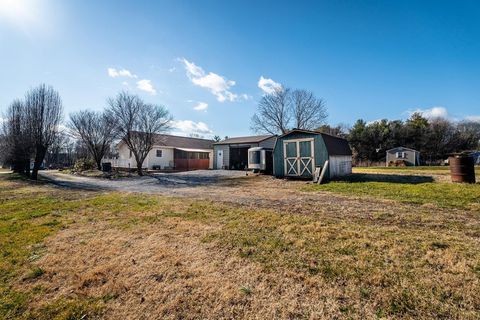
298	158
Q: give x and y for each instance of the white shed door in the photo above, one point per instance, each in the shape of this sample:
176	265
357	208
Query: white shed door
299	158
219	159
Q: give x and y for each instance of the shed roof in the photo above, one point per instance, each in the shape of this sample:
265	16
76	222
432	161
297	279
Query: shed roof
336	146
403	148
248	139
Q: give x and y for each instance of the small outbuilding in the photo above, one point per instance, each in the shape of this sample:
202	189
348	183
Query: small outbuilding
232	153
298	152
402	155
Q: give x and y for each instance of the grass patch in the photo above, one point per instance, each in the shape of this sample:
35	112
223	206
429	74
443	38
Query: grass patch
444	195
29	213
35	273
397	270
394	268
441	170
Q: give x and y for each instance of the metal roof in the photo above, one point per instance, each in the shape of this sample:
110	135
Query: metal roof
249	139
403	148
194	150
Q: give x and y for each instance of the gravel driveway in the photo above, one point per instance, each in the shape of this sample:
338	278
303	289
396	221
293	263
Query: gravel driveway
170	183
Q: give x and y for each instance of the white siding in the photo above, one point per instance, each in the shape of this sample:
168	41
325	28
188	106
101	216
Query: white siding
166	160
226	155
125	161
340	166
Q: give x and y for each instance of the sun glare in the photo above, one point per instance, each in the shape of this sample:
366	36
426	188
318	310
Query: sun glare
16	10
26	15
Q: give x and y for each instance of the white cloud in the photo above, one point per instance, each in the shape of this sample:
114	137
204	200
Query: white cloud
147	86
216	84
114	73
201	106
172	69
373	121
186	127
473	118
268	86
432	113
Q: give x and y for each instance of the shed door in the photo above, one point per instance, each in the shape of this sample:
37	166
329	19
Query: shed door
299	158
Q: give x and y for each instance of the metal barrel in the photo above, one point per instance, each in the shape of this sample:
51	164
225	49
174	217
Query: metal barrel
462	168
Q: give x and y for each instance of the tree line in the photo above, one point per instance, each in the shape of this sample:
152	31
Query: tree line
31	130
286	109
435	139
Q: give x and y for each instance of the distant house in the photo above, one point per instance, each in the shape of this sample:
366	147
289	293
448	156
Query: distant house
232	153
170	153
402	154
298	152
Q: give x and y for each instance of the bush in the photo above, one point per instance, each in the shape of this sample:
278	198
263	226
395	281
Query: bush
84	165
398	163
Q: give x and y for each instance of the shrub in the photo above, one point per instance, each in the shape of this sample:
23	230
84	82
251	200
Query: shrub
84	165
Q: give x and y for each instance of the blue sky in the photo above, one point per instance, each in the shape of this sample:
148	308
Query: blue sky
210	62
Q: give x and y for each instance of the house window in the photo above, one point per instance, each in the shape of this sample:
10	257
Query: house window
130	153
159	153
401	155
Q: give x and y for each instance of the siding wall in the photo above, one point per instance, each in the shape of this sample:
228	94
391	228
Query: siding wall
166	160
340	166
226	155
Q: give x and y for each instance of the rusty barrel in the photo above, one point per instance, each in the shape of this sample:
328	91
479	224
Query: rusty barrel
462	168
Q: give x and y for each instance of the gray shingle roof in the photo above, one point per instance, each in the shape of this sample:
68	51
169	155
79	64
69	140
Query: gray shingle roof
249	139
336	146
182	142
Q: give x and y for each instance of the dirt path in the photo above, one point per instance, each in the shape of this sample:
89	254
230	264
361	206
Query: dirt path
254	192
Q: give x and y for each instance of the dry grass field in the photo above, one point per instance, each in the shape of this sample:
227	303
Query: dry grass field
257	248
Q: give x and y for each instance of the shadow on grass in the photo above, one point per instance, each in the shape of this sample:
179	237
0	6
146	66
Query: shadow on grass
392	178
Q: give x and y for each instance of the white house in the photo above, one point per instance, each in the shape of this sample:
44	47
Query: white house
169	153
408	156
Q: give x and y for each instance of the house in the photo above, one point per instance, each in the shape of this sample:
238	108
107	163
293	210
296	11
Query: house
404	155
232	153
170	153
298	152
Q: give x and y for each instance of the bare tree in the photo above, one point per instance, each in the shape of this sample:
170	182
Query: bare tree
273	113
285	109
308	111
137	123
96	130
17	143
44	112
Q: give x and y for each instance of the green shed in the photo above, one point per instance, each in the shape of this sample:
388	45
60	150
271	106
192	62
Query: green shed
298	152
